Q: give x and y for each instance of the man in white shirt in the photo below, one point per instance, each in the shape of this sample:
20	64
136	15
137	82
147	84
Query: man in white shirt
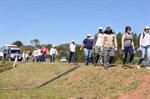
72	52
97	42
53	52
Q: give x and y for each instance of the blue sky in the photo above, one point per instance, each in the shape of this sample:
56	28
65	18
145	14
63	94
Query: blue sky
59	21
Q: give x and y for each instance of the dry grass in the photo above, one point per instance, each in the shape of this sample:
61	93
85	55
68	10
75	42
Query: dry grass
86	82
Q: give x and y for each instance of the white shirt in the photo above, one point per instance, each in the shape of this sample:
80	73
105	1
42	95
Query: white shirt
72	47
53	51
35	53
145	40
99	40
39	52
27	55
23	54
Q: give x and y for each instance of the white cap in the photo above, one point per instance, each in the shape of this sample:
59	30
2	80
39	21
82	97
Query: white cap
89	35
73	40
146	27
100	28
54	46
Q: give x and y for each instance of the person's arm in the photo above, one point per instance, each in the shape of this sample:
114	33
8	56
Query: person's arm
133	44
140	42
56	51
94	41
115	42
70	47
82	46
102	43
122	41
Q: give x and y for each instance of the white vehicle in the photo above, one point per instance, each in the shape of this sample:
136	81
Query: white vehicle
63	59
10	51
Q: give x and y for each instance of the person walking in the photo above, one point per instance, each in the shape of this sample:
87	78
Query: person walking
97	43
127	47
27	56
44	51
109	44
16	60
39	54
72	52
87	45
53	52
144	48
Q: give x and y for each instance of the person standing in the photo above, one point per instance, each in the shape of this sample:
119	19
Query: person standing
72	52
87	45
44	51
27	56
97	41
24	56
39	54
144	47
35	55
127	46
53	52
109	46
16	60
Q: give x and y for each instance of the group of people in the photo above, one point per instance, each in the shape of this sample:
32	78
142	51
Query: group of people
105	45
40	54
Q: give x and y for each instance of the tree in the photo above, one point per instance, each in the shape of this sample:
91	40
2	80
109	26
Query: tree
35	42
18	43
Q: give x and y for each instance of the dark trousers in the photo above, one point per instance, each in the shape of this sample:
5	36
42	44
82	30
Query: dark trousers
74	56
128	49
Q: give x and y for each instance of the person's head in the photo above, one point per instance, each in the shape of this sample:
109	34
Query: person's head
54	46
73	41
44	45
146	29
100	29
128	29
108	30
89	36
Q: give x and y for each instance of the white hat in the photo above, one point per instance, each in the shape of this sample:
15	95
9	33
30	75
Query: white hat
89	35
54	46
73	40
146	27
100	28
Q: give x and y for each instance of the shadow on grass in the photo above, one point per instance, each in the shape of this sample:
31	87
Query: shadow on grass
53	79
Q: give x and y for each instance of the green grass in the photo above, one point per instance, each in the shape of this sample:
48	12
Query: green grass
86	82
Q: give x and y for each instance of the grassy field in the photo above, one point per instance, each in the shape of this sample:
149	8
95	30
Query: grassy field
85	82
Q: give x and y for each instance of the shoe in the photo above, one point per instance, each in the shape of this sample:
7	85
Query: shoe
94	63
138	66
129	65
147	67
124	66
106	68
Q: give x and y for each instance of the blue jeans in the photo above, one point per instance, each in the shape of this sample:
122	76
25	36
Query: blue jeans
74	56
44	57
53	58
87	54
128	49
145	51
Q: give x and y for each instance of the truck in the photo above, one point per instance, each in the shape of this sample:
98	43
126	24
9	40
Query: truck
10	52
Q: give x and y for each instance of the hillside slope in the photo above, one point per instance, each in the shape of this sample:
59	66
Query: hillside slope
85	82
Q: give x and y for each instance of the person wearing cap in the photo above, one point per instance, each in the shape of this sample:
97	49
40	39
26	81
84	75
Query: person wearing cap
127	46
53	52
144	47
87	45
72	52
109	46
97	43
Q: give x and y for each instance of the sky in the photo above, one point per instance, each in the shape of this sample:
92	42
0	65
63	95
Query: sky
60	21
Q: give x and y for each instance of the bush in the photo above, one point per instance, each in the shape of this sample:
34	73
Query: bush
4	65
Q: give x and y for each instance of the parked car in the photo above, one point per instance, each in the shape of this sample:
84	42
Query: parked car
63	59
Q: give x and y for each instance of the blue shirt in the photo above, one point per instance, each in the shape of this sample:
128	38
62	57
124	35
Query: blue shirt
88	43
